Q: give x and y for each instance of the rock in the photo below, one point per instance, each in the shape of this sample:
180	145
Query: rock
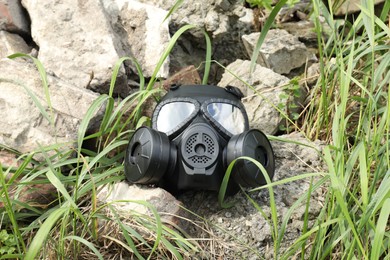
287	155
298	11
313	73
184	55
303	30
118	202
13	17
349	7
142	30
23	127
34	195
225	21
76	43
8	159
165	204
272	91
216	16
281	51
12	43
242	226
186	76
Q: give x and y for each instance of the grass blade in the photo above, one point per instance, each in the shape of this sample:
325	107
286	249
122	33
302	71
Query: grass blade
380	230
5	198
60	187
41	236
43	75
264	31
87	243
173	9
94	108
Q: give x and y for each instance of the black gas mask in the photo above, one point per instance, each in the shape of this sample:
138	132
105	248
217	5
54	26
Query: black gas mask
197	131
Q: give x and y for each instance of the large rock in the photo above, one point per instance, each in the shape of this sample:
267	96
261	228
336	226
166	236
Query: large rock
76	42
242	226
271	93
216	16
142	29
13	17
124	197
280	51
12	43
224	20
23	126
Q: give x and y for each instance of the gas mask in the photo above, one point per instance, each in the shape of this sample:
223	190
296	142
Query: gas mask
197	131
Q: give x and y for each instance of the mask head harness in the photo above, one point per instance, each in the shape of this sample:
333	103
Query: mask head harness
197	131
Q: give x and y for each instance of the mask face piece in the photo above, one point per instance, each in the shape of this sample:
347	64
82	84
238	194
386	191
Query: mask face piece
196	132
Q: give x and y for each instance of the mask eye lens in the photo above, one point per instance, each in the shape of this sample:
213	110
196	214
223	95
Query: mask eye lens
228	116
173	114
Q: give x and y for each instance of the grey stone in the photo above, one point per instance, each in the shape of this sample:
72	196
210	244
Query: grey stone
298	11
225	21
142	29
313	73
260	104
23	126
76	42
303	30
12	43
212	15
13	17
164	203
281	51
350	6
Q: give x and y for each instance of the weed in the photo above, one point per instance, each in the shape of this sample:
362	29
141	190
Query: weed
7	243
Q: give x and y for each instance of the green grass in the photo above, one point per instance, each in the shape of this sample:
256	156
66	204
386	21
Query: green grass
349	111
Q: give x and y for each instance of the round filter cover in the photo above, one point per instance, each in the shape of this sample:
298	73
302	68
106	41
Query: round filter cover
200	147
254	144
147	156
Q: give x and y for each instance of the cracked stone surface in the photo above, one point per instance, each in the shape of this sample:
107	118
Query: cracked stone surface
281	51
261	104
24	127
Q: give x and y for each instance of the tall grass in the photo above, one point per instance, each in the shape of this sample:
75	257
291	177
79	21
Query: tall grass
349	109
352	112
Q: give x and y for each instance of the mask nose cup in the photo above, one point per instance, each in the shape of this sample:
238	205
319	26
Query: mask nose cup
254	144
199	149
147	156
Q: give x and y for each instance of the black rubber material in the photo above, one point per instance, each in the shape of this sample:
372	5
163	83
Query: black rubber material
200	148
254	144
147	156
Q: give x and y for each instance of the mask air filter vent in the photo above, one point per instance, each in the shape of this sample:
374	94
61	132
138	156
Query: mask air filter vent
200	148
